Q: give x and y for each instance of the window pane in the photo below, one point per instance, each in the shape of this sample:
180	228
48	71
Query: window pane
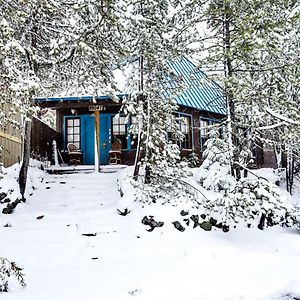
115	129
204	130
70	122
122	129
77	144
122	120
76	138
76	122
70	130
115	120
70	138
185	124
76	130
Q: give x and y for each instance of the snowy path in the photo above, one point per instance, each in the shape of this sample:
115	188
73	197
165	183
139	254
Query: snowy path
56	257
124	261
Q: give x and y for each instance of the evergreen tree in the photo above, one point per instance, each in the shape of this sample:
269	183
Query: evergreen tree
253	47
151	101
53	46
215	173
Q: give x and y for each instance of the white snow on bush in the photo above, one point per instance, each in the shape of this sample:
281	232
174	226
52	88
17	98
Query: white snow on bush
10	177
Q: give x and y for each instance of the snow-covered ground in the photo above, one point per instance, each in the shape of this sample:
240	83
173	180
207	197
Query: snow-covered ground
124	261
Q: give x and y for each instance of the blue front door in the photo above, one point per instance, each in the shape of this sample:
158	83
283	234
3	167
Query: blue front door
88	139
105	140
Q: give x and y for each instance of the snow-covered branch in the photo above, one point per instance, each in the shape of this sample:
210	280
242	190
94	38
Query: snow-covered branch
281	117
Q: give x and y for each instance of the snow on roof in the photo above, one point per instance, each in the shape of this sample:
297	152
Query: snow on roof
200	93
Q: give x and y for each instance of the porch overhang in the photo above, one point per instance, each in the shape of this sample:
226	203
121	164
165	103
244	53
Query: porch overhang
78	101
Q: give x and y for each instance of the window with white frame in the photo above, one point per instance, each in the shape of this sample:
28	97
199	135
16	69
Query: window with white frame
119	130
73	131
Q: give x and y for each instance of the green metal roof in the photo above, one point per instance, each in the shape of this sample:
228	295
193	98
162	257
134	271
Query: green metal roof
200	92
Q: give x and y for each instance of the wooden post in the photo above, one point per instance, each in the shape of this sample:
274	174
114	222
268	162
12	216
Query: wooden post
56	164
97	140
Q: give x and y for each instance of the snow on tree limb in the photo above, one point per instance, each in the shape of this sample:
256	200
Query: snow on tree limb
281	117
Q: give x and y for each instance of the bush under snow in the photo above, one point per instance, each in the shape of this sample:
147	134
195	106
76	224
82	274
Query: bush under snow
214	174
244	200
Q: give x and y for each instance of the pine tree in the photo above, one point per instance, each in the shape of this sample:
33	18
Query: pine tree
253	47
151	101
215	173
54	46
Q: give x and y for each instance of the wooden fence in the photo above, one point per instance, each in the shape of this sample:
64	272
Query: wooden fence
42	137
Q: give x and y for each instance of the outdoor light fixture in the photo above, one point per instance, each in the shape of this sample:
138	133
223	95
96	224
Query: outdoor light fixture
74	112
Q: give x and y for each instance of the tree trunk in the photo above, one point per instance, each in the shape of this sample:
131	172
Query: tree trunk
228	72
140	124
26	157
290	170
262	220
147	174
137	158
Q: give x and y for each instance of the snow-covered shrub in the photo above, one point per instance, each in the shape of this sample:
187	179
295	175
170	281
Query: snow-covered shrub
193	160
215	172
249	200
8	270
167	179
9	185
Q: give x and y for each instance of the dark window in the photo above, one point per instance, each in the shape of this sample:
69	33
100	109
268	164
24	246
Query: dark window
73	131
172	125
183	124
119	130
186	129
203	132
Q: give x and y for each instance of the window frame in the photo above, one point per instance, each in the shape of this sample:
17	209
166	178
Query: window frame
178	115
78	142
190	132
122	137
211	122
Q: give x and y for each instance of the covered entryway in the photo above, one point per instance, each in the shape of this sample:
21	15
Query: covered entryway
88	138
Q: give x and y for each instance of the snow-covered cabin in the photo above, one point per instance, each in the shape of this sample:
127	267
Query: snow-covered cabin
200	105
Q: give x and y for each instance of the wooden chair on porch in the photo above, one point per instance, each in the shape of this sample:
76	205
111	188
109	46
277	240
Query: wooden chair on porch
75	155
115	154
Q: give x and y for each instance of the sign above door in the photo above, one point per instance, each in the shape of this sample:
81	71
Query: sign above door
97	108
